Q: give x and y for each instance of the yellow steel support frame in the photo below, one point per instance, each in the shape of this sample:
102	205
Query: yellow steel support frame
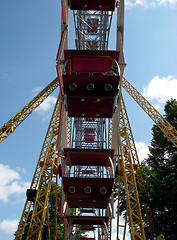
15	121
131	192
138	173
45	154
160	121
51	163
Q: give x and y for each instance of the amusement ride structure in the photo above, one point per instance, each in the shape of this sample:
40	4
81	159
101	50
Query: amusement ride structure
89	142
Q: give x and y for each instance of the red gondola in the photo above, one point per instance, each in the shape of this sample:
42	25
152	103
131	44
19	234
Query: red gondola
91	187
89	88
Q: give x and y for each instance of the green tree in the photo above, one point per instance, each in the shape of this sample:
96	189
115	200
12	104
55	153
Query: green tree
160	174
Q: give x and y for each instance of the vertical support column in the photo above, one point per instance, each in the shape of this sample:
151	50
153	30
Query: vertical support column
119	47
139	175
56	204
59	67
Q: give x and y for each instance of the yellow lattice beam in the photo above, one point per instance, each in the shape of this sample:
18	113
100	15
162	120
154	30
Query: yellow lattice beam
15	121
131	192
139	175
51	162
158	119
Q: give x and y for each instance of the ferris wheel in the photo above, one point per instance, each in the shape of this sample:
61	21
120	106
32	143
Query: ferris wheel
89	145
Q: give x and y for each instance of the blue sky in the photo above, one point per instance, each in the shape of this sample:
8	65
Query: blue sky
30	33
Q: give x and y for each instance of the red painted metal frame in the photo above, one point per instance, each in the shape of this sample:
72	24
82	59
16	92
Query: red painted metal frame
103	5
87	220
62	11
61	39
91	107
88	157
59	45
61	91
92	200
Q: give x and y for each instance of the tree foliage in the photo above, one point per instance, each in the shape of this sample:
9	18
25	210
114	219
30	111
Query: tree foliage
160	174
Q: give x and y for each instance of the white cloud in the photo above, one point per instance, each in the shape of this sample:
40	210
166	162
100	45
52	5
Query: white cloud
161	89
46	106
10	183
142	3
7	174
36	90
165	2
149	3
9	226
142	150
133	3
157	107
22	170
128	4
